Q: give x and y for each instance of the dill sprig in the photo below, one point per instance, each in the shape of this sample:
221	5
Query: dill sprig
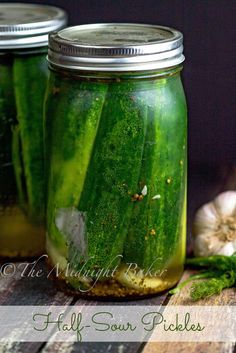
215	285
218	272
216	262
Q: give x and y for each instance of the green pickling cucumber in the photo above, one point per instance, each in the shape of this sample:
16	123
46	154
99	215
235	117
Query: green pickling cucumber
7	120
69	140
30	77
113	174
18	168
153	234
116	178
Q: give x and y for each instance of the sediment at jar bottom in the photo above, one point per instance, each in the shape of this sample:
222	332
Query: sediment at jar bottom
29	76
122	284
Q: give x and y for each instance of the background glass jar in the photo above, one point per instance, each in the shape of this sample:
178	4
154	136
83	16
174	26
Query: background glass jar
115	124
24	32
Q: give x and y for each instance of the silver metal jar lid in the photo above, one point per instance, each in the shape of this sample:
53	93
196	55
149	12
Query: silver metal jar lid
116	47
28	25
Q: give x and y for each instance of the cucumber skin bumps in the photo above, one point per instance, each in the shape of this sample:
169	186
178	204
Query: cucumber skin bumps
30	80
24	32
23	80
116	176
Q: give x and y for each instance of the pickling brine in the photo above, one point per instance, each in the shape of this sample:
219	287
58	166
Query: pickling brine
23	78
116	174
22	88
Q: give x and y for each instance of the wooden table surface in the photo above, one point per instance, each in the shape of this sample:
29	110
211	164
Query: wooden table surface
35	291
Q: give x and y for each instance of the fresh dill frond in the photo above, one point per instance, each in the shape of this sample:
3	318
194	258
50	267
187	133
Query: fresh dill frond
218	262
201	275
205	289
218	272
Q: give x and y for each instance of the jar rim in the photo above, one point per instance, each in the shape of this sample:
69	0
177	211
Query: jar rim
116	47
28	25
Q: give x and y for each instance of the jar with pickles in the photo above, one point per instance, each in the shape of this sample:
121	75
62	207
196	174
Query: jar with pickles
24	32
115	135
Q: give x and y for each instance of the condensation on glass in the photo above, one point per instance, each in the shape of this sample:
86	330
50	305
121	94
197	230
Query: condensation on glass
115	128
24	32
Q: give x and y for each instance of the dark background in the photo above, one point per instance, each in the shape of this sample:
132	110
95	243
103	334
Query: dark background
209	28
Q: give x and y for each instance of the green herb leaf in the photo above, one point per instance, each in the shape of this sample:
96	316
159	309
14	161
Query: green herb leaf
205	274
205	289
220	272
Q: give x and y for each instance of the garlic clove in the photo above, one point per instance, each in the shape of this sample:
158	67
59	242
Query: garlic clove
144	191
206	244
214	226
225	203
227	250
234	243
201	246
206	219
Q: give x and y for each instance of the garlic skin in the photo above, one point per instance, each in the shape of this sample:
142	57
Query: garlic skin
214	226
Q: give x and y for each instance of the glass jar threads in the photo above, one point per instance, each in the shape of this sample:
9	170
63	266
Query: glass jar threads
115	127
24	32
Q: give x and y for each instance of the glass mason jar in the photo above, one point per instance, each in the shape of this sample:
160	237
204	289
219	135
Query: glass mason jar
24	32
115	128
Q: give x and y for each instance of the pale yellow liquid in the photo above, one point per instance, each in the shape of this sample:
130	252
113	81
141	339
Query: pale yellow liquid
19	238
113	288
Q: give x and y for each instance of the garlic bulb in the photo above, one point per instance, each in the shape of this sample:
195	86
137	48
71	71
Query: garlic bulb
214	226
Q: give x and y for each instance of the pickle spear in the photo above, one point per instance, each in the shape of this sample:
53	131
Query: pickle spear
18	168
153	234
76	107
30	77
7	121
112	174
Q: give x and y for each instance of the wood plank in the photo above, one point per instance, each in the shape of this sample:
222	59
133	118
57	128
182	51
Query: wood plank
18	290
189	347
92	347
29	290
103	347
227	297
